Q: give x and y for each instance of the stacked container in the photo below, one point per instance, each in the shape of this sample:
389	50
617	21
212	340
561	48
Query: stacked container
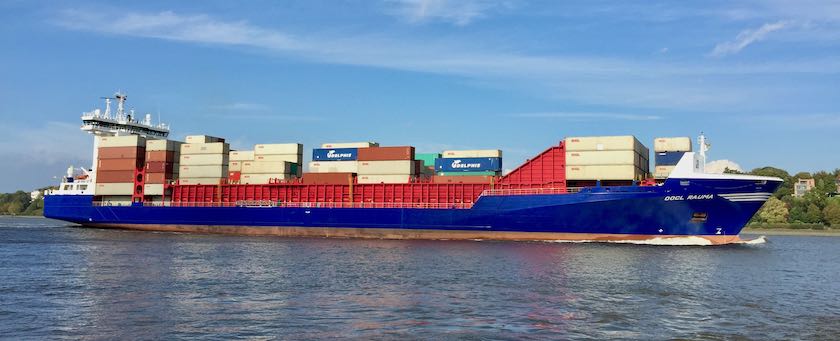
119	168
608	158
162	161
279	161
668	152
390	165
236	158
338	157
203	160
470	166
427	163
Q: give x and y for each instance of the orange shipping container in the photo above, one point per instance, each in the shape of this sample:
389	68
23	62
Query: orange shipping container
327	178
109	177
120	152
386	153
159	167
159	178
161	156
118	164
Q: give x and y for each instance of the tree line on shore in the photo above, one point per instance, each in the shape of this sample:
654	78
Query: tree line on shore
21	203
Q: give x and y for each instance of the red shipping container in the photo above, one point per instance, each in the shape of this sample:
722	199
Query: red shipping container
159	178
114	176
465	179
160	156
159	167
327	178
121	152
118	164
386	153
234	176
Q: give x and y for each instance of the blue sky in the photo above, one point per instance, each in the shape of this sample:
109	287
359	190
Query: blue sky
761	78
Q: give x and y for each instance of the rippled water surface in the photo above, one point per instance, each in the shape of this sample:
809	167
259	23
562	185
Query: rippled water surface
64	282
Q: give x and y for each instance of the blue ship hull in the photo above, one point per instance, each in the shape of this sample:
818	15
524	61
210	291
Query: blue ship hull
714	209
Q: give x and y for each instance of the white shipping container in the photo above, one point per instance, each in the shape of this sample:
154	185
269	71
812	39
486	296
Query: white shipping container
122	141
262	178
116	200
334	167
662	172
163	145
387	179
450	154
672	144
604	157
203	171
203	139
605	143
203	160
242	155
397	167
614	172
350	145
293	158
153	189
117	188
235	166
200	181
278	148
205	148
260	167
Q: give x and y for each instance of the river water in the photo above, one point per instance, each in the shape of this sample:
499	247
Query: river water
58	281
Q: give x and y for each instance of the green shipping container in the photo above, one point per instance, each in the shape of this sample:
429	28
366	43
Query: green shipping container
293	169
427	158
491	173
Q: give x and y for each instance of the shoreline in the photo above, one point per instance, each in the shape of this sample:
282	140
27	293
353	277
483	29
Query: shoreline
791	232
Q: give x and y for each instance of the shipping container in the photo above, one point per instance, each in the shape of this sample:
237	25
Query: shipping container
386	153
203	171
469	179
662	172
335	154
153	189
334	167
385	179
485	173
472	164
124	188
404	167
115	176
241	155
163	146
259	167
235	166
611	172
116	200
668	158
162	156
160	167
262	178
278	148
120	153
160	178
203	139
118	164
122	141
293	158
604	157
449	154
200	181
204	159
205	148
428	159
672	144
234	175
574	144
350	145
327	178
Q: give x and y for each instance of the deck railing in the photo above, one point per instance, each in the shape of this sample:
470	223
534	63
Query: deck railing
269	203
530	191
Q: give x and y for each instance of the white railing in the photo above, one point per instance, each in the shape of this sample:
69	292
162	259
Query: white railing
530	191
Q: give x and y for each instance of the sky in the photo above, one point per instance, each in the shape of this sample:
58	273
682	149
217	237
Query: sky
760	78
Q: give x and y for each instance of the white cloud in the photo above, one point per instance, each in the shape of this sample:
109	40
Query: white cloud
718	166
35	156
457	12
747	37
589	116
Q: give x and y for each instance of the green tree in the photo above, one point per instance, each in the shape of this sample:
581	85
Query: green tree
774	211
786	189
831	212
813	214
14	208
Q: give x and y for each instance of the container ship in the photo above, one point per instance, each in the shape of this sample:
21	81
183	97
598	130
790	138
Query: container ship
597	188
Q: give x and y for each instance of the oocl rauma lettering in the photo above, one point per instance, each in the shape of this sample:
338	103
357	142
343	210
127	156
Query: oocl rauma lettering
690	197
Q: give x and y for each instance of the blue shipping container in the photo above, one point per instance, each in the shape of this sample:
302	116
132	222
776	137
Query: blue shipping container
335	154
469	164
668	158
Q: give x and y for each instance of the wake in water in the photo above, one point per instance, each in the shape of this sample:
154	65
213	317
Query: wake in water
668	241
